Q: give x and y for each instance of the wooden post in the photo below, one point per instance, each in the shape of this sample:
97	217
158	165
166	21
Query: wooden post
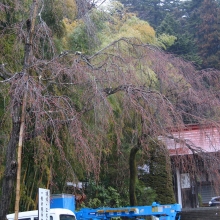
27	62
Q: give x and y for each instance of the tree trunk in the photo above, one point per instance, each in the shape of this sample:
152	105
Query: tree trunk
11	165
17	130
133	175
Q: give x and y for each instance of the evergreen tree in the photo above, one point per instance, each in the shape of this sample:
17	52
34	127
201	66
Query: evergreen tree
169	26
190	9
154	11
170	6
160	178
149	10
184	45
176	18
208	34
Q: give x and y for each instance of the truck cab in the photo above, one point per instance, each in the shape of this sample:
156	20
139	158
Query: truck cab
55	214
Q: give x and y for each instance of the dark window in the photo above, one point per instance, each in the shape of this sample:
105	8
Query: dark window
24	218
36	218
67	217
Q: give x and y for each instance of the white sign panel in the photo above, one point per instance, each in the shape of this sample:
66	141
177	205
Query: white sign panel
44	204
185	180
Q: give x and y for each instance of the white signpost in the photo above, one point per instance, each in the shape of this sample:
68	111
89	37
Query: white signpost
43	204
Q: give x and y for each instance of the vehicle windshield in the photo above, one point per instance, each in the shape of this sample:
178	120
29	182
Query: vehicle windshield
67	217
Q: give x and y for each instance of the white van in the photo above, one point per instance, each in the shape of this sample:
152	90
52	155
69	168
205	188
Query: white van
55	214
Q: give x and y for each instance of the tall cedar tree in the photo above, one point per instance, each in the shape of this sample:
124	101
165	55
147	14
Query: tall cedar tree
148	10
153	11
174	18
208	34
184	44
159	177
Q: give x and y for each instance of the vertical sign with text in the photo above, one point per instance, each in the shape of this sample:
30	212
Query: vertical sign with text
44	204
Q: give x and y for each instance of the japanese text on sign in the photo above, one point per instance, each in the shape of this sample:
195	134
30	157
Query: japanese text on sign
44	204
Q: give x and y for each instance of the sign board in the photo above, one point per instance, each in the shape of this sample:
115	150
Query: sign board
185	180
43	204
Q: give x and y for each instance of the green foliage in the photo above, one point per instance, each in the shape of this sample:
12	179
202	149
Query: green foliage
181	42
53	164
166	41
79	40
11	52
111	25
131	27
59	45
26	198
148	10
145	195
169	26
93	203
200	200
168	18
99	196
98	17
153	11
52	15
135	27
8	15
185	47
208	34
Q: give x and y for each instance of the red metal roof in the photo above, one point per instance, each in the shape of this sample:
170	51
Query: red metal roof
199	139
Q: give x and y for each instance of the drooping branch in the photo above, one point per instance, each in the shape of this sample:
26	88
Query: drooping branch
194	149
84	7
4	74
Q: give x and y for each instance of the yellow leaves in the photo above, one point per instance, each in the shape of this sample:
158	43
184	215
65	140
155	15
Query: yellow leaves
131	28
134	27
166	40
70	25
146	32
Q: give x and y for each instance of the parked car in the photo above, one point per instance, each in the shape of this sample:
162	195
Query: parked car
215	201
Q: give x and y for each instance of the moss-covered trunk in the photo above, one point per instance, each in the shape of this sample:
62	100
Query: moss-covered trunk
11	165
133	175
